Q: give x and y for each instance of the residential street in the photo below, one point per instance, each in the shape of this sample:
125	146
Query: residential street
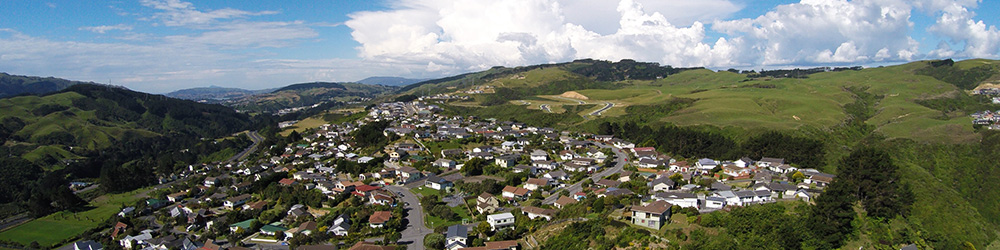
415	229
576	187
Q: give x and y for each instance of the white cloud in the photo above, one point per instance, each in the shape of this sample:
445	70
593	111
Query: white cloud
456	36
105	28
177	13
956	23
828	31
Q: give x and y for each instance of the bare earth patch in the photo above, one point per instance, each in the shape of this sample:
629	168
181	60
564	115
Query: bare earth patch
574	95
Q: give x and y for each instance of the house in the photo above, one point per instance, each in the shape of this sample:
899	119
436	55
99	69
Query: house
456	237
536	212
535	183
306	228
564	201
87	245
507	161
539	155
445	163
744	162
605	183
451	153
502	245
557	175
511	192
623	144
766	162
649	163
500	221
653	215
714	202
548	165
139	239
118	228
381	197
678	198
521	168
178	196
272	229
662	184
379	218
242	225
487	203
287	182
236	201
820	179
365	159
397	155
362	245
126	211
706	164
341	225
782	168
730	197
778	190
483	149
437	183
566	155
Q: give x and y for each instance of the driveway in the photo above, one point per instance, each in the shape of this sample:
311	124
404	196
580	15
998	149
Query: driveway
415	229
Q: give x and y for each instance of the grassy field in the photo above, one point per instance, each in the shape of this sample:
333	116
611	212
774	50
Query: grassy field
64	225
726	99
308	123
436	222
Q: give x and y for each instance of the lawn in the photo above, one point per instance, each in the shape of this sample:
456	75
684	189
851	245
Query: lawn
435	221
425	191
55	228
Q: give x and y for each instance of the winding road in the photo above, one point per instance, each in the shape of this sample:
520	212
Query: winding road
415	230
545	107
577	187
607	105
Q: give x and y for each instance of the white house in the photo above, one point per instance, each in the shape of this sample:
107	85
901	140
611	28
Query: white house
500	221
706	164
539	155
653	215
340	226
680	199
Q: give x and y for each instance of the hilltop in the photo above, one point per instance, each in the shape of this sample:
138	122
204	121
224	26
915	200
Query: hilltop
214	93
307	94
389	81
12	85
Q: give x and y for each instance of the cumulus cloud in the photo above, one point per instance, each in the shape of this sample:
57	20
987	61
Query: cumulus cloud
826	31
957	24
457	35
105	28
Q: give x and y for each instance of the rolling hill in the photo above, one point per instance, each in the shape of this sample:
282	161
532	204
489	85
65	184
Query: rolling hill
918	111
214	93
12	85
84	118
389	81
307	94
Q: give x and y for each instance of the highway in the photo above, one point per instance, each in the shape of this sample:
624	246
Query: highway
256	138
577	187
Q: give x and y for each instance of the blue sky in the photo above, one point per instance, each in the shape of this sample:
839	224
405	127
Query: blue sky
164	45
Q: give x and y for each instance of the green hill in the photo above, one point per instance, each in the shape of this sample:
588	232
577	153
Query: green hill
85	118
12	85
214	93
307	94
918	111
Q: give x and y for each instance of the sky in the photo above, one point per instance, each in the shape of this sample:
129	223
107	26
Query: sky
159	46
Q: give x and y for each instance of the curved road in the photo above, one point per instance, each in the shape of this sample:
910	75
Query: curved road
607	105
256	138
577	187
415	229
545	107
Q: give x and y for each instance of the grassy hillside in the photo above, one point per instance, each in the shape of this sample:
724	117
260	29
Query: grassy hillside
12	85
307	94
919	111
86	118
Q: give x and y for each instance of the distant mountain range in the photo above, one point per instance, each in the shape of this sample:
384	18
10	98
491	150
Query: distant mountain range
389	81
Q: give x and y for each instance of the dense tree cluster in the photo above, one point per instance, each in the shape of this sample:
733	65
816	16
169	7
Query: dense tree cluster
968	79
625	69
